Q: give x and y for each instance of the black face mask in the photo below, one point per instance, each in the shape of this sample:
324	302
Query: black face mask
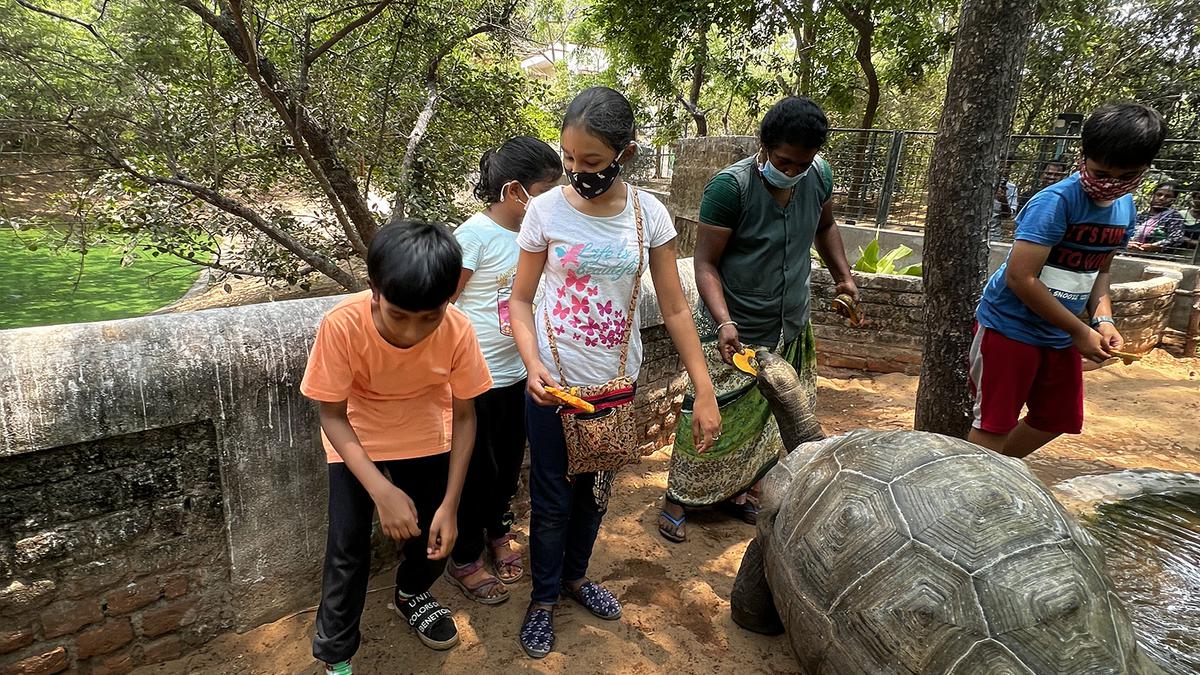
590	185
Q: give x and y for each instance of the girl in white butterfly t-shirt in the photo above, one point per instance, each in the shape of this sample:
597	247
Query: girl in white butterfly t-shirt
583	240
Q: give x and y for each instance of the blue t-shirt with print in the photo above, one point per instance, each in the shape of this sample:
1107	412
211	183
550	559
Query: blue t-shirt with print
1081	235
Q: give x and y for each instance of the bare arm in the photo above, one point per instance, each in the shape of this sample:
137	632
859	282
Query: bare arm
397	514
443	530
520	307
677	316
463	278
833	252
711	241
1100	304
1025	265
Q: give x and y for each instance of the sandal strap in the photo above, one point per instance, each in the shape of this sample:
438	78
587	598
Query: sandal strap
674	521
465	571
501	541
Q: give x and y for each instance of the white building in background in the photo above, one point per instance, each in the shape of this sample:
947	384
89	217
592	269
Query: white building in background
579	60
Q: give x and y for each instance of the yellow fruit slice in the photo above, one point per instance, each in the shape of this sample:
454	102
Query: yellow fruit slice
571	400
1127	357
744	361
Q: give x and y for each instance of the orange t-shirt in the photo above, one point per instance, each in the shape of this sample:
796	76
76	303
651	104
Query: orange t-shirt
397	400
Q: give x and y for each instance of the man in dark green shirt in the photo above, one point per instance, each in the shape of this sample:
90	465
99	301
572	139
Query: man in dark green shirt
759	219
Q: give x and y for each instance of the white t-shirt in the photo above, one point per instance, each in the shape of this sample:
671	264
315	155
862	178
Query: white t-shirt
588	281
491	252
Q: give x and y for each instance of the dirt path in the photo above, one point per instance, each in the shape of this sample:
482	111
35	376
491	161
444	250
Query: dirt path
676	597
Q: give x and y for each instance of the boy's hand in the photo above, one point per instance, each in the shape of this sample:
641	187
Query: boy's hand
443	532
397	514
1092	345
1112	337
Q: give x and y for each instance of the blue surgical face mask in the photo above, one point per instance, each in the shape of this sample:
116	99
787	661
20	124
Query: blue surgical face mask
780	179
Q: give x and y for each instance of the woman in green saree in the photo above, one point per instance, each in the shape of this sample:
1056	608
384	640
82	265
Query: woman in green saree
759	219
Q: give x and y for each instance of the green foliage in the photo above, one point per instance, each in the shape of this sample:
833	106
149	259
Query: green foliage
870	261
160	93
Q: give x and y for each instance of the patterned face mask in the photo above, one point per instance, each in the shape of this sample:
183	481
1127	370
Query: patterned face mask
1106	189
590	185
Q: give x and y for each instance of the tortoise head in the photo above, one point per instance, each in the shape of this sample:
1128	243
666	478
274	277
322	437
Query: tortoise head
777	379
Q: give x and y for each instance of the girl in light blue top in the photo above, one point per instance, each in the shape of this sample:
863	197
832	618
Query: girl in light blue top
509	177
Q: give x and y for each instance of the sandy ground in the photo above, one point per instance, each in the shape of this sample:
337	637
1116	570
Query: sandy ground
676	597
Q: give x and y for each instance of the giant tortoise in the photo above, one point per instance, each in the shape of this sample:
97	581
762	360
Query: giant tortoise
909	552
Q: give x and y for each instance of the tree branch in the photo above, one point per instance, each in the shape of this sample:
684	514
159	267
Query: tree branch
432	94
346	30
319	261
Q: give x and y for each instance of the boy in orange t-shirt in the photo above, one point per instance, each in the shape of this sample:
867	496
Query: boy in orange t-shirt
395	370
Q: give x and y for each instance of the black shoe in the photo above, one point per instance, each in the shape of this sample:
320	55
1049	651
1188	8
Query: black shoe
432	622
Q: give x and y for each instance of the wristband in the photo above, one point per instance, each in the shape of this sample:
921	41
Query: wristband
1097	320
726	323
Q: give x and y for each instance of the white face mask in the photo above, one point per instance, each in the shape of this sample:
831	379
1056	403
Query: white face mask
524	202
780	179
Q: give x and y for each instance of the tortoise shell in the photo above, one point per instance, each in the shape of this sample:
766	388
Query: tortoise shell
910	552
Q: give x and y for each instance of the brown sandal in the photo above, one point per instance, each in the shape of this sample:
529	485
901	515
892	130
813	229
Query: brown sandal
479	592
512	561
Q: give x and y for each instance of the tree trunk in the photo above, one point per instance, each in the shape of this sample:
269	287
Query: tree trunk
866	34
976	118
692	103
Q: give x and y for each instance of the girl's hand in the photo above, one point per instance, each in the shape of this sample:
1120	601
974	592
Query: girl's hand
706	422
535	386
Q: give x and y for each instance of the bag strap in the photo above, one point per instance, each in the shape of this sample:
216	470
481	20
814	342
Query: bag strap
633	302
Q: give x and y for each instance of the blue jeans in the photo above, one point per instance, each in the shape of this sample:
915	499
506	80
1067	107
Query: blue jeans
565	519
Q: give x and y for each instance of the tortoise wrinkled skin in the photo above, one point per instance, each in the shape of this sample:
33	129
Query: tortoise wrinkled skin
908	552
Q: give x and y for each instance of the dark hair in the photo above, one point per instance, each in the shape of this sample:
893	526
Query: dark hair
415	264
603	113
1173	185
796	121
524	159
1123	135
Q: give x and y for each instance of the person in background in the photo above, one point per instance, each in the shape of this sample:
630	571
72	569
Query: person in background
1053	171
1160	227
1004	200
509	178
1191	219
1029	338
759	220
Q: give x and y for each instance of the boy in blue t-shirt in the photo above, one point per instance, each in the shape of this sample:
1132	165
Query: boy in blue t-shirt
1030	337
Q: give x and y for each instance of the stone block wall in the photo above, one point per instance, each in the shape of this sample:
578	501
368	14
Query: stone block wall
113	553
890	343
162	480
895	305
697	160
1142	309
661	386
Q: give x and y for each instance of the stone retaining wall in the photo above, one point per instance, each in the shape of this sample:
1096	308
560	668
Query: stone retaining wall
892	342
1142	309
161	479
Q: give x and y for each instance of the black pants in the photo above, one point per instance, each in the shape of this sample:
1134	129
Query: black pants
485	507
348	548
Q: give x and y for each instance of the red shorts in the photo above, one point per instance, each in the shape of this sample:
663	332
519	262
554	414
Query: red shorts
1007	375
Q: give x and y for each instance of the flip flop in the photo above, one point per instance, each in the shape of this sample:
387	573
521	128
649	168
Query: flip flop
672	535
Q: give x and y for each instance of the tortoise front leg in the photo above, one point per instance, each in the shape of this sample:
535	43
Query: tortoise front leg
751	603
